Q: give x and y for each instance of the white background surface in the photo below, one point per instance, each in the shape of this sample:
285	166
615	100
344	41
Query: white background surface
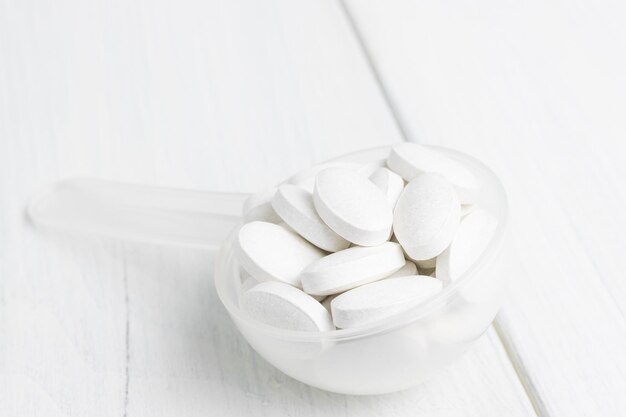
236	95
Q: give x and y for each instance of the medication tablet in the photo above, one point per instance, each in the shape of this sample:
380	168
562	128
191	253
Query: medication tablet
408	269
281	305
349	268
295	206
258	207
390	183
426	216
472	238
352	206
382	299
270	252
410	159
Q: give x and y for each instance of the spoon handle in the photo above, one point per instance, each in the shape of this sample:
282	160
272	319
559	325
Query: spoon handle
137	212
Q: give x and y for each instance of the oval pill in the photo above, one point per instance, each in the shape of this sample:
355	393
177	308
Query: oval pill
381	299
295	206
270	252
349	268
426	216
352	206
281	305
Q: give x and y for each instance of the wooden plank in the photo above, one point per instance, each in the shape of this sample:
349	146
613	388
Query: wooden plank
537	91
224	96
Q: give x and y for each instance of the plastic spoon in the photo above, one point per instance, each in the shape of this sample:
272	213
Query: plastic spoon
137	212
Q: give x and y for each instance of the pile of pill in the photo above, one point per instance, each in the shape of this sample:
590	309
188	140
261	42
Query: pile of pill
343	245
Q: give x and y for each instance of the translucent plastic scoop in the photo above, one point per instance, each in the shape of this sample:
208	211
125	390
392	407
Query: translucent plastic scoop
138	212
390	355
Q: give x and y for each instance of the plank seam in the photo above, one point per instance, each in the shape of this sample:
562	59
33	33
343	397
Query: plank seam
126	339
373	69
529	389
523	376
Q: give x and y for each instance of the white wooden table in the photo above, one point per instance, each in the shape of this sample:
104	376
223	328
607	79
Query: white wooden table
235	95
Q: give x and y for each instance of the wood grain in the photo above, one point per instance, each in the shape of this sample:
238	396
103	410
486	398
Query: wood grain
537	91
212	95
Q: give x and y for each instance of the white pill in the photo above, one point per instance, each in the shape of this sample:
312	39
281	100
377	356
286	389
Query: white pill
352	206
295	206
382	299
281	305
248	281
472	238
349	268
390	183
258	207
426	216
306	177
408	269
410	159
270	252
